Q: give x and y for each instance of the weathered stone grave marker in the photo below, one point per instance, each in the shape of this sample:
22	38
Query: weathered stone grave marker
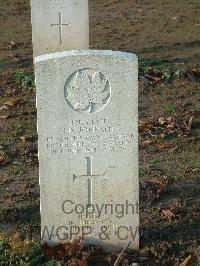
88	147
89	176
59	25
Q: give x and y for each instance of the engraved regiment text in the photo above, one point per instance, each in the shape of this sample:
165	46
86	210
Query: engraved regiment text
89	136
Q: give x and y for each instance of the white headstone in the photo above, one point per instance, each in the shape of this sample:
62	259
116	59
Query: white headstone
87	104
59	25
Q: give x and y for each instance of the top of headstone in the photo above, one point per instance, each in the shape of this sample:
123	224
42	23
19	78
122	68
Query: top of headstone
94	53
87	104
59	25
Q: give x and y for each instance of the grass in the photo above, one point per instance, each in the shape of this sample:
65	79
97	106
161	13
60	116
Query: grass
25	79
174	178
5	64
14	251
154	63
156	160
170	108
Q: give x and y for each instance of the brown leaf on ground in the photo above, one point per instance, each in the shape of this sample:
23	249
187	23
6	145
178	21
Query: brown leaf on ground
5	116
17	243
74	262
25	139
12	45
194	74
151	76
189	124
74	247
3	158
196	71
154	187
164	145
145	126
170	122
49	251
161	181
4	107
159	184
77	262
65	252
167	213
12	102
162	120
56	252
156	79
147	142
175	18
165	126
186	261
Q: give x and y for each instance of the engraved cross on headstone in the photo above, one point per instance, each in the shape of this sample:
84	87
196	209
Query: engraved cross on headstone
60	24
89	177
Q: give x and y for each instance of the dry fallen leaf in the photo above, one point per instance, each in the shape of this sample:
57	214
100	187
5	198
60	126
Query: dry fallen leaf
4	116
195	170
167	213
2	157
12	102
25	139
162	135
12	45
154	187
157	79
194	74
17	242
175	18
186	261
189	125
76	262
196	70
147	142
170	122
145	126
162	120
164	145
158	180
4	107
65	252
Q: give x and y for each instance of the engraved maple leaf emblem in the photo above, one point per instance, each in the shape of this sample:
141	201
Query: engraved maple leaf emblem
87	91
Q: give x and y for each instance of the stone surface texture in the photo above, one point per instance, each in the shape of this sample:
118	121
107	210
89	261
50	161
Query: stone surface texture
59	25
87	104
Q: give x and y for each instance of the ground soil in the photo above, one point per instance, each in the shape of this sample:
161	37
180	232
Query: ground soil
165	36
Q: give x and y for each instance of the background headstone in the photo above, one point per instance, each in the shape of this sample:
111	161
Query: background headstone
59	25
87	105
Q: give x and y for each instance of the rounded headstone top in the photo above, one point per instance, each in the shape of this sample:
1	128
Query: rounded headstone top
95	53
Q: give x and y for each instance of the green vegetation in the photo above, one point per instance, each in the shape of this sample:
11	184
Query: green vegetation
174	178
154	63
170	108
20	253
25	79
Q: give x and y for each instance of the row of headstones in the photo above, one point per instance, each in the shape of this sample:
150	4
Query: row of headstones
87	129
